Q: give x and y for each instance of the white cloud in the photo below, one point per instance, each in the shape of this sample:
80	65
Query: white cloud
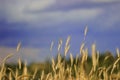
72	2
15	10
18	11
57	17
25	11
109	20
28	54
39	4
104	0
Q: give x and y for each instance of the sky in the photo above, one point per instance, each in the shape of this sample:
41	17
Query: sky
36	23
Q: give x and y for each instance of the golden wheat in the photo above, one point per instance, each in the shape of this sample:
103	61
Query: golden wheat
79	68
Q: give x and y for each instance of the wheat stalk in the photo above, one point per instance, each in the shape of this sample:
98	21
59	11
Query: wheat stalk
85	32
18	46
94	59
118	53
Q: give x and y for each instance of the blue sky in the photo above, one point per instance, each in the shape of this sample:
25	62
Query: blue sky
36	23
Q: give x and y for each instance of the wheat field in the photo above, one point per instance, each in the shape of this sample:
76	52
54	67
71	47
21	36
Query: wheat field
81	67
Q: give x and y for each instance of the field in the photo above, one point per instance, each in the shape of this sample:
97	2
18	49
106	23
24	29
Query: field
82	67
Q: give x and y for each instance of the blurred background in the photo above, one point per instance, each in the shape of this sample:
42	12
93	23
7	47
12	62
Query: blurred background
36	23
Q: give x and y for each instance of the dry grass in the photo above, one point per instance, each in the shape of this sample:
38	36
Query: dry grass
78	68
